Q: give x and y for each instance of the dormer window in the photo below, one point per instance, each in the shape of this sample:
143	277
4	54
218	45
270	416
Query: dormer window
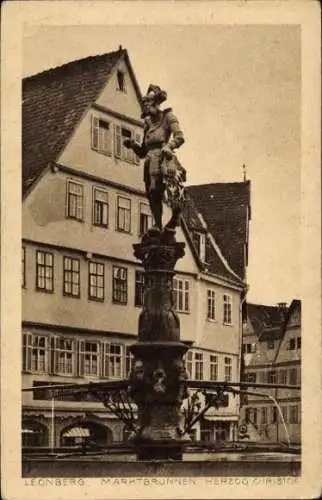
200	240
121	81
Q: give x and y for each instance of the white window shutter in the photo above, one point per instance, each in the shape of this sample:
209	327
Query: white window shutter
53	354
117	141
27	352
105	349
95	132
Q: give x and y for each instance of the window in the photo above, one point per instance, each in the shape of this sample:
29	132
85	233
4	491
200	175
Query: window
285	413
101	136
273	414
145	218
228	369
71	277
65	356
44	271
293	376
113	360
227	309
189	364
39	354
298	343
121	81
128	361
250	377
251	415
100	207
123	214
271	377
75	200
198	366
119	285
34	356
283	376
91	358
249	348
211	304
263	415
181	295
139	289
294	414
270	344
213	367
23	267
291	344
96	281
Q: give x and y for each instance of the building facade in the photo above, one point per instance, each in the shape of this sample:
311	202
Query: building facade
272	354
84	206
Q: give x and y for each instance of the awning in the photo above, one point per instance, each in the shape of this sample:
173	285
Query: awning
77	432
28	431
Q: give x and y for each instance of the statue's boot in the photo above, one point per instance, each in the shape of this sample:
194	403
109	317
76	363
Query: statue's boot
175	219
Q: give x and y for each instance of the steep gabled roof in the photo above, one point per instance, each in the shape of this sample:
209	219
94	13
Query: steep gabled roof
53	103
225	208
214	263
267	321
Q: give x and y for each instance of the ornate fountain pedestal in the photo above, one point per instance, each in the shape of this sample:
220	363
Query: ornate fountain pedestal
158	378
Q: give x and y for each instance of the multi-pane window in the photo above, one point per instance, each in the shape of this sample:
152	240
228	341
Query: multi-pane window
211	304
128	361
271	377
228	369
123	222
90	358
181	295
23	267
44	271
116	361
294	414
213	367
71	277
263	415
75	200
198	366
249	348
96	281
282	376
100	207
119	285
227	309
39	354
189	364
122	133
145	218
65	356
293	376
101	136
139	289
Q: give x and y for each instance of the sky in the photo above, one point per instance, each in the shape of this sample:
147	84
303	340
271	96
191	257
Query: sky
236	90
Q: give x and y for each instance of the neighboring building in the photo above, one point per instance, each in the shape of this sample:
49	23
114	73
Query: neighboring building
83	208
272	354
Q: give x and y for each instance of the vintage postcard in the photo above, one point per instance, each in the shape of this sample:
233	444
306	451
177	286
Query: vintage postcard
160	250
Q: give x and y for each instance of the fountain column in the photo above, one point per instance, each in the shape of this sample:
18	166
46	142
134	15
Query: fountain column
158	378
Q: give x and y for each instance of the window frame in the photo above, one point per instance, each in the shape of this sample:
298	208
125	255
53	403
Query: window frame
148	217
119	281
91	354
139	288
96	286
121	82
185	295
99	123
227	303
71	294
45	266
100	203
228	366
69	215
199	366
211	304
58	350
127	213
213	367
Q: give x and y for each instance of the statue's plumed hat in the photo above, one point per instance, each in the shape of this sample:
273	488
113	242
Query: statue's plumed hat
156	93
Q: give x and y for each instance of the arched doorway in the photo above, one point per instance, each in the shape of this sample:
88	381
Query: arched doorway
34	434
86	433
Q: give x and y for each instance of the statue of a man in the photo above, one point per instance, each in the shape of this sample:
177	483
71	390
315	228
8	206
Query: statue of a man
163	174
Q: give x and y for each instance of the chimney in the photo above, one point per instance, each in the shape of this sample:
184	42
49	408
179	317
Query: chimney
283	308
